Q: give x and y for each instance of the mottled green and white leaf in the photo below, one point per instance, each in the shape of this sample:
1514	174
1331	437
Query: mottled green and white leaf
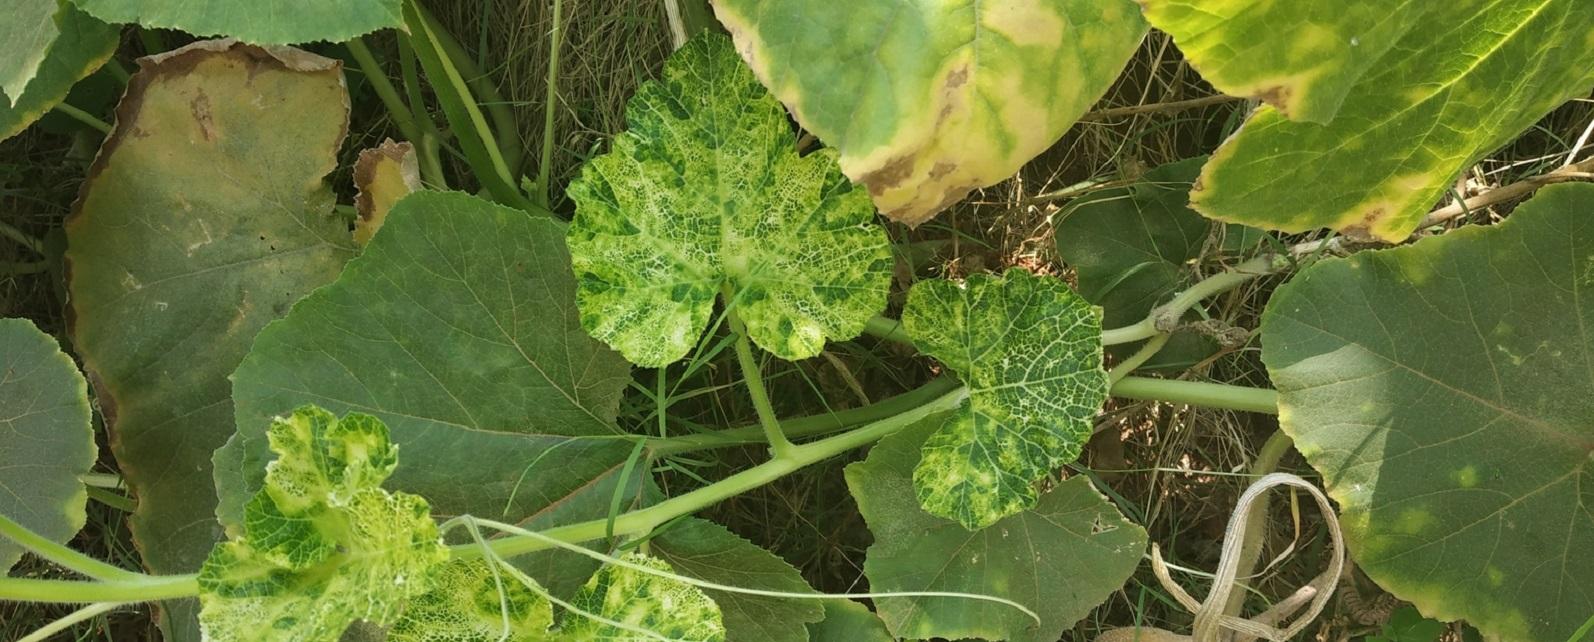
665	607
465	602
322	545
927	101
1442	390
704	193
1059	559
205	216
1302	58
49	440
43	55
261	22
1471	76
1030	351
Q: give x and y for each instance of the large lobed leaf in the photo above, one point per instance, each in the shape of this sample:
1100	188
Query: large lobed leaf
46	46
927	101
261	22
205	216
1428	89
1442	389
457	327
1059	559
1030	351
705	192
47	435
322	545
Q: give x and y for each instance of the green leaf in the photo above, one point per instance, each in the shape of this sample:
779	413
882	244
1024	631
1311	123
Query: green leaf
1060	559
466	604
277	22
49	440
1473	75
43	71
1132	249
457	327
27	29
705	191
323	545
1442	391
204	217
1029	349
704	550
669	608
849	621
1302	58
927	101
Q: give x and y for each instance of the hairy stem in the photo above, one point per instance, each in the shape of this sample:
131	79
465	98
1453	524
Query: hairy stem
812	425
66	557
1165	317
147	589
1139	358
753	377
65	622
642	521
1199	393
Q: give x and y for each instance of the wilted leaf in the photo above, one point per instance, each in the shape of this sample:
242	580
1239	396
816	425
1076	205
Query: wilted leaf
465	603
43	58
1442	389
261	22
457	327
204	217
1029	350
927	101
383	175
1060	559
323	545
705	191
47	435
704	550
668	608
1472	75
1300	57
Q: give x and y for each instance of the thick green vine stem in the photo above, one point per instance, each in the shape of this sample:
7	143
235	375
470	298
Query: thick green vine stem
643	521
66	557
1165	318
148	589
1199	393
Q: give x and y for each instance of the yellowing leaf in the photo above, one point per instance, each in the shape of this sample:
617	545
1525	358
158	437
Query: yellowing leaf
205	216
668	608
323	545
1467	78
1300	57
929	100
383	175
466	603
